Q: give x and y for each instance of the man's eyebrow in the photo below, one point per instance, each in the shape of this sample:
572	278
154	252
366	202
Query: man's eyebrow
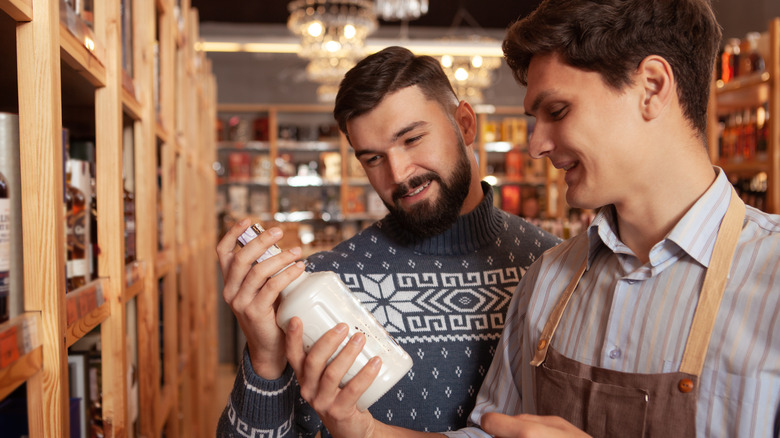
407	128
538	101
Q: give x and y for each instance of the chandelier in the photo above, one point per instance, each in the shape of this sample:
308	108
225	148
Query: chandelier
469	75
333	34
401	10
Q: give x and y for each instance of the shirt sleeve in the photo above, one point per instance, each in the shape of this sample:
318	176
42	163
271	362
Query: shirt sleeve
259	407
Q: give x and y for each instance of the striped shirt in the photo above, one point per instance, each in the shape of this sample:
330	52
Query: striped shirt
634	317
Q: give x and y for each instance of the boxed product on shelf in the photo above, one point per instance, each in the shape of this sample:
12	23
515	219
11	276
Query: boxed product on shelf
239	129
331	163
238	198
238	167
355	201
514	130
261	168
260	129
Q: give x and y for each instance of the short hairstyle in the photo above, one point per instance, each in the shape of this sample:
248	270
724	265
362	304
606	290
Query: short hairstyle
612	37
385	72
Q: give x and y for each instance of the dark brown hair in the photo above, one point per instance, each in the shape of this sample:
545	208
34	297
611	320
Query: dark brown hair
385	72
612	37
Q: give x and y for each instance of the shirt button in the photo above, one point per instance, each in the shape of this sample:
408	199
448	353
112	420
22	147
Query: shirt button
614	354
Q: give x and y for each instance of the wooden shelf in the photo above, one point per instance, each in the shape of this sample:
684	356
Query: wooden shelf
82	60
19	10
70	75
747	92
20	371
131	105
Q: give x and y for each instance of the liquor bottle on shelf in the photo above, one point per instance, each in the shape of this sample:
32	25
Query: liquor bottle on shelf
12	225
5	247
730	60
77	265
129	202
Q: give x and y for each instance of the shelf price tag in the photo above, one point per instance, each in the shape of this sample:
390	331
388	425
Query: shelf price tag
9	349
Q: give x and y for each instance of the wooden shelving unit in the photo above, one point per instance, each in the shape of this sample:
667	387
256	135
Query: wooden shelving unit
752	91
548	177
169	290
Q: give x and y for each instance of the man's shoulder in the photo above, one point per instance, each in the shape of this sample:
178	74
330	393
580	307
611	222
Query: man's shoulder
522	228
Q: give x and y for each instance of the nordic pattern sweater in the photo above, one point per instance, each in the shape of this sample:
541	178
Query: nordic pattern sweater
443	299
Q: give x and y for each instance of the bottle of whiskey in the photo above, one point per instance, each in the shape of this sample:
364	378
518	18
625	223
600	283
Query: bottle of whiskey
77	267
5	247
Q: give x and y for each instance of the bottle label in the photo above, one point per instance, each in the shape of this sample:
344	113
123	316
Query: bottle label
252	232
77	230
76	268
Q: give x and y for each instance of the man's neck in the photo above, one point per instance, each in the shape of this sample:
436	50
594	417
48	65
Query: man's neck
648	216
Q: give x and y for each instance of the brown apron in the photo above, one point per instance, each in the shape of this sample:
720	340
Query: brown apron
606	403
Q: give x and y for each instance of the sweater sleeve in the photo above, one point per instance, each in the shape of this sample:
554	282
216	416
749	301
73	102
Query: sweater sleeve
267	408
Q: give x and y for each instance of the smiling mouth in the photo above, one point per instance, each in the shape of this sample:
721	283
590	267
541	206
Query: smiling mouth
418	190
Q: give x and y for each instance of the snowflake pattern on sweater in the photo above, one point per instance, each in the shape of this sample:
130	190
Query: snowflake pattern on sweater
444	300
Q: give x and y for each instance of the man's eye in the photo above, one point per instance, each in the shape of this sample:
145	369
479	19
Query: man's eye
373	159
558	113
412	140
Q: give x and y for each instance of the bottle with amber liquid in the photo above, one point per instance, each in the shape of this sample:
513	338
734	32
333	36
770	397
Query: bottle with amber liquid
77	266
5	247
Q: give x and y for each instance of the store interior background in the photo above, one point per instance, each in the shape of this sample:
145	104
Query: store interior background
263	78
280	78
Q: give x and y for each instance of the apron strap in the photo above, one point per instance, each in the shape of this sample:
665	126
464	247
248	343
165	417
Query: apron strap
555	316
709	300
713	287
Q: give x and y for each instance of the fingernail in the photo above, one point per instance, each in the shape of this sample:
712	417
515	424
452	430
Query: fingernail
244	223
295	251
276	232
341	328
375	362
358	338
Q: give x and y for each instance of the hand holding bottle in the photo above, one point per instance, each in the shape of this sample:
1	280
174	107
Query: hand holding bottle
251	290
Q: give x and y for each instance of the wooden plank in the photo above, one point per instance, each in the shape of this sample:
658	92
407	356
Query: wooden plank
40	133
85	62
109	104
144	22
84	325
131	105
19	10
20	371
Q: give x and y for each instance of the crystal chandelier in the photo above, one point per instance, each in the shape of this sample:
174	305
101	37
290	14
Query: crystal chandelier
401	10
469	75
333	34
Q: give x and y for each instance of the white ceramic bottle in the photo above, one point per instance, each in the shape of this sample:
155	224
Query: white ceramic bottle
321	300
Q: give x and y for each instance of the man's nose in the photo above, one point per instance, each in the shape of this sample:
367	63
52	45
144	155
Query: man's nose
400	165
540	143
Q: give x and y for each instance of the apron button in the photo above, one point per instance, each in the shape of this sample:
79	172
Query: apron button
541	345
685	385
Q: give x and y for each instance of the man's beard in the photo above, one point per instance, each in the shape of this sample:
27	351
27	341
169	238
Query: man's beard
429	218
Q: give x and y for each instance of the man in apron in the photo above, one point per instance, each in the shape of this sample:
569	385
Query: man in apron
663	318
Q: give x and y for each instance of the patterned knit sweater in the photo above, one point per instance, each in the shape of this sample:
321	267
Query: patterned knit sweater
443	299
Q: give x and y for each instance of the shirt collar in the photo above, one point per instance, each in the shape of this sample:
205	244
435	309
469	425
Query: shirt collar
695	233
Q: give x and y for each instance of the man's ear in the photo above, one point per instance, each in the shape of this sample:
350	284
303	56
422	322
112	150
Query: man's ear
658	84
467	122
